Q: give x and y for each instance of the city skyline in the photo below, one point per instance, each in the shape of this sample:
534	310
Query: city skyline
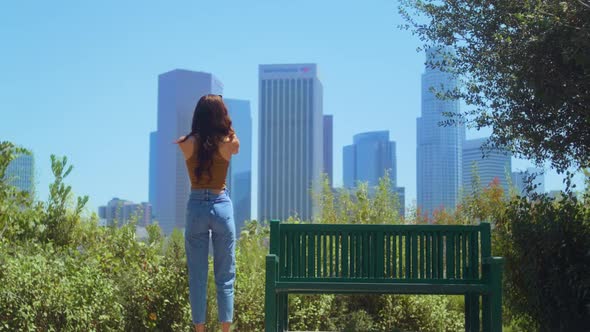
97	82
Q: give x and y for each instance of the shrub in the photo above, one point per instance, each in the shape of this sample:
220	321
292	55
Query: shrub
546	244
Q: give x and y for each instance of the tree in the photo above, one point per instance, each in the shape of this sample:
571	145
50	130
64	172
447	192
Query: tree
524	68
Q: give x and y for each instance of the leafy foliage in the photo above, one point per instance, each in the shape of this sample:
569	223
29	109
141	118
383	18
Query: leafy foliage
546	243
525	67
91	278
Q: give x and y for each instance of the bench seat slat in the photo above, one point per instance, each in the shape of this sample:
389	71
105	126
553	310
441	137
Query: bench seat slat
378	287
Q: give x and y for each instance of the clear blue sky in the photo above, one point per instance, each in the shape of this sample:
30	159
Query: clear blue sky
79	78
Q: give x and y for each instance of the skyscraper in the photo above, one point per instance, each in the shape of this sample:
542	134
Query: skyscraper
439	148
178	93
537	175
367	160
290	140
495	165
328	147
21	172
239	178
153	172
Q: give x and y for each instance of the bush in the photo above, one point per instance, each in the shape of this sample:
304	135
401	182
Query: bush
546	244
47	290
60	271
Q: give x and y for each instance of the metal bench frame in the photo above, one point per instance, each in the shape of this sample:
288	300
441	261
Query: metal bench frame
384	259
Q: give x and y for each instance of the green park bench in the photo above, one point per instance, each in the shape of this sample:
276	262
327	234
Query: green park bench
392	259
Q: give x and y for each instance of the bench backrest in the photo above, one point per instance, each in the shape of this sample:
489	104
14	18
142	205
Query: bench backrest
397	253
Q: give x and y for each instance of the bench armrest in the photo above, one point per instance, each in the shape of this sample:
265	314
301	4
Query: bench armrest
493	260
272	267
492	269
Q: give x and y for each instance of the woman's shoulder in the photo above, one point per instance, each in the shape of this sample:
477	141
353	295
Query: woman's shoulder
231	142
187	145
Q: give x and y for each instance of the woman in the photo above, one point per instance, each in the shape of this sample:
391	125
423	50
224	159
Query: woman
207	151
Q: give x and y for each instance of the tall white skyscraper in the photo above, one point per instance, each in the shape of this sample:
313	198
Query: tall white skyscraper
239	178
496	165
178	93
290	140
439	148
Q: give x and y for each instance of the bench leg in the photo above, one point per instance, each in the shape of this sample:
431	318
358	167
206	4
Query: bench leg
270	296
283	311
492	312
270	311
492	301
472	312
486	313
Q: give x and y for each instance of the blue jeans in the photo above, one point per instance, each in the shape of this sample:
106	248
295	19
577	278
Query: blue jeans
208	211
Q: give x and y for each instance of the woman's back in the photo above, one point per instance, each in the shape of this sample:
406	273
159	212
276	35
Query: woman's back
214	177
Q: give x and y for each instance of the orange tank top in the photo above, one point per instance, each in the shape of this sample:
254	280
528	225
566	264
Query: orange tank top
218	173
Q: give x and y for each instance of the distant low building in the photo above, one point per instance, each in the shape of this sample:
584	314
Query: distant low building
556	194
122	211
519	179
370	156
401	198
494	166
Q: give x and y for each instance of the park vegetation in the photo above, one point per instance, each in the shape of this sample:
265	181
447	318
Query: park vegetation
61	271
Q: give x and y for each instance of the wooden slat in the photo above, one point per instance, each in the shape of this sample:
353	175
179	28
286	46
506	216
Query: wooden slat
337	254
296	254
283	255
345	256
422	265
464	256
387	252
457	244
414	242
357	286
450	254
328	254
368	260
351	228
408	257
476	255
303	259
357	256
353	244
311	255
401	255
429	255
289	271
394	255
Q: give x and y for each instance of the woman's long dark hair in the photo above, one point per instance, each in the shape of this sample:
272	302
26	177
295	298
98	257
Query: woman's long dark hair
211	125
